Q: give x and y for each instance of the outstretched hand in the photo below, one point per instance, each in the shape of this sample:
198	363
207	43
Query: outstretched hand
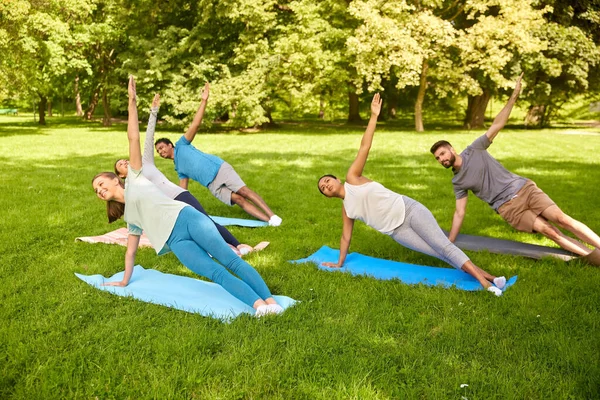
205	92
131	88
156	101
376	105
517	90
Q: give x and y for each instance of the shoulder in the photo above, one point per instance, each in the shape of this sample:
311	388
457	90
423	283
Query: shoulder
182	141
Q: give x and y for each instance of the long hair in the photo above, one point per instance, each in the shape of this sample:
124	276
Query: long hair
324	176
114	209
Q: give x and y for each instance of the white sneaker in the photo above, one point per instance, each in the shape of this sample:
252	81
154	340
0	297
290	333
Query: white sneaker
261	311
500	282
275	308
492	289
268	309
275	221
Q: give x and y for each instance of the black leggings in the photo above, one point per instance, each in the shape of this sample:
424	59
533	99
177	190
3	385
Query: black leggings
187	198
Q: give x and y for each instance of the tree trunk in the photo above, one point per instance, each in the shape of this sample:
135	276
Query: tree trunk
420	98
476	107
106	105
50	107
353	113
89	113
321	108
391	101
78	107
42	109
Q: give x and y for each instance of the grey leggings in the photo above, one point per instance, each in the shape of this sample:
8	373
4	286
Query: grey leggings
421	232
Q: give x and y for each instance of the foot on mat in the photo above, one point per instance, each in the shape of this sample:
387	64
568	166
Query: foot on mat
492	289
275	221
500	282
268	309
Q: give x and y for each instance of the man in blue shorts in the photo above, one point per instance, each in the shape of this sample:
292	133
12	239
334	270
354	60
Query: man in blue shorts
517	199
211	171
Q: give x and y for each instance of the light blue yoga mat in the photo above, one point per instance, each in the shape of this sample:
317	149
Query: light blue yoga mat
249	223
358	264
180	292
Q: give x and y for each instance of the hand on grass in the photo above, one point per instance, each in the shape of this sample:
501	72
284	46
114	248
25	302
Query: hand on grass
331	265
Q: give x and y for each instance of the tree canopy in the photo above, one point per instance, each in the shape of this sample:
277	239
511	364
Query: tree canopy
299	57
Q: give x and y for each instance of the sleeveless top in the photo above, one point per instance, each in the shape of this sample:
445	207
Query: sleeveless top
375	205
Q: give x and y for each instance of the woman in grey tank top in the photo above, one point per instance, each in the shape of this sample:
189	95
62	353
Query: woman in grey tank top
406	220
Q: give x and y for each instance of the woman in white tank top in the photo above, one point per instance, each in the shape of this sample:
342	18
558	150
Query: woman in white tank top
407	221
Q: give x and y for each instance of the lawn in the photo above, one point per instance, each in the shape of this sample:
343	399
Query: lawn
349	337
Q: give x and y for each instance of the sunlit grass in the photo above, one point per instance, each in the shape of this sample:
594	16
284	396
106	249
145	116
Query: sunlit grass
350	337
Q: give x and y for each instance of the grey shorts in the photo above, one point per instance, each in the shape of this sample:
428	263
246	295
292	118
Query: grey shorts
226	181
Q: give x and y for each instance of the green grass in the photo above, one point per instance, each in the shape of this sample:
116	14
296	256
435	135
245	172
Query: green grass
350	337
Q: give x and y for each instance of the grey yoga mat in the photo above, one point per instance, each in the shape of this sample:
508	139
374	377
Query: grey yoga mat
502	246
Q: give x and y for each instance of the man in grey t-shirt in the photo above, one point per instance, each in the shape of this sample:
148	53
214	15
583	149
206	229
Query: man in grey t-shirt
518	200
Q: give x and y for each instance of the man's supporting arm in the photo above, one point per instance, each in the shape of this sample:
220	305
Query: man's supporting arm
459	216
183	183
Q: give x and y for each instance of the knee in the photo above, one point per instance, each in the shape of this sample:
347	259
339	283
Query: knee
564	220
244	191
549	231
237	199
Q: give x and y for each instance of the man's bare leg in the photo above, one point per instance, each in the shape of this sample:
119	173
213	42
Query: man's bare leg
248	207
577	228
553	233
249	194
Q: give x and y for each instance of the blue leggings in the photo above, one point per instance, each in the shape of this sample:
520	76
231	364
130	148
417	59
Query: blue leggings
193	236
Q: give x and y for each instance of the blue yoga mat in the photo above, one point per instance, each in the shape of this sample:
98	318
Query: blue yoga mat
180	292
358	264
249	223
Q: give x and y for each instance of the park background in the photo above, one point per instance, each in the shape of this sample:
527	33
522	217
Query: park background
291	83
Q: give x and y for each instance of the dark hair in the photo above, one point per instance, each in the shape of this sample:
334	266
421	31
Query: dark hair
324	176
439	144
163	140
114	209
115	167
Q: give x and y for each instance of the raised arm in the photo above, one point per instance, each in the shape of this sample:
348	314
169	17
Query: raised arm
356	169
133	129
132	245
503	115
459	216
190	134
344	241
148	156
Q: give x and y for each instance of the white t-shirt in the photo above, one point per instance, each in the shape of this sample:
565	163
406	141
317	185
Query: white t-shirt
149	169
375	205
149	209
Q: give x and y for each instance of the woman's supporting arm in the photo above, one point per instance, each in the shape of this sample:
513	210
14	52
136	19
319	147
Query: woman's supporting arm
344	241
356	169
132	245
